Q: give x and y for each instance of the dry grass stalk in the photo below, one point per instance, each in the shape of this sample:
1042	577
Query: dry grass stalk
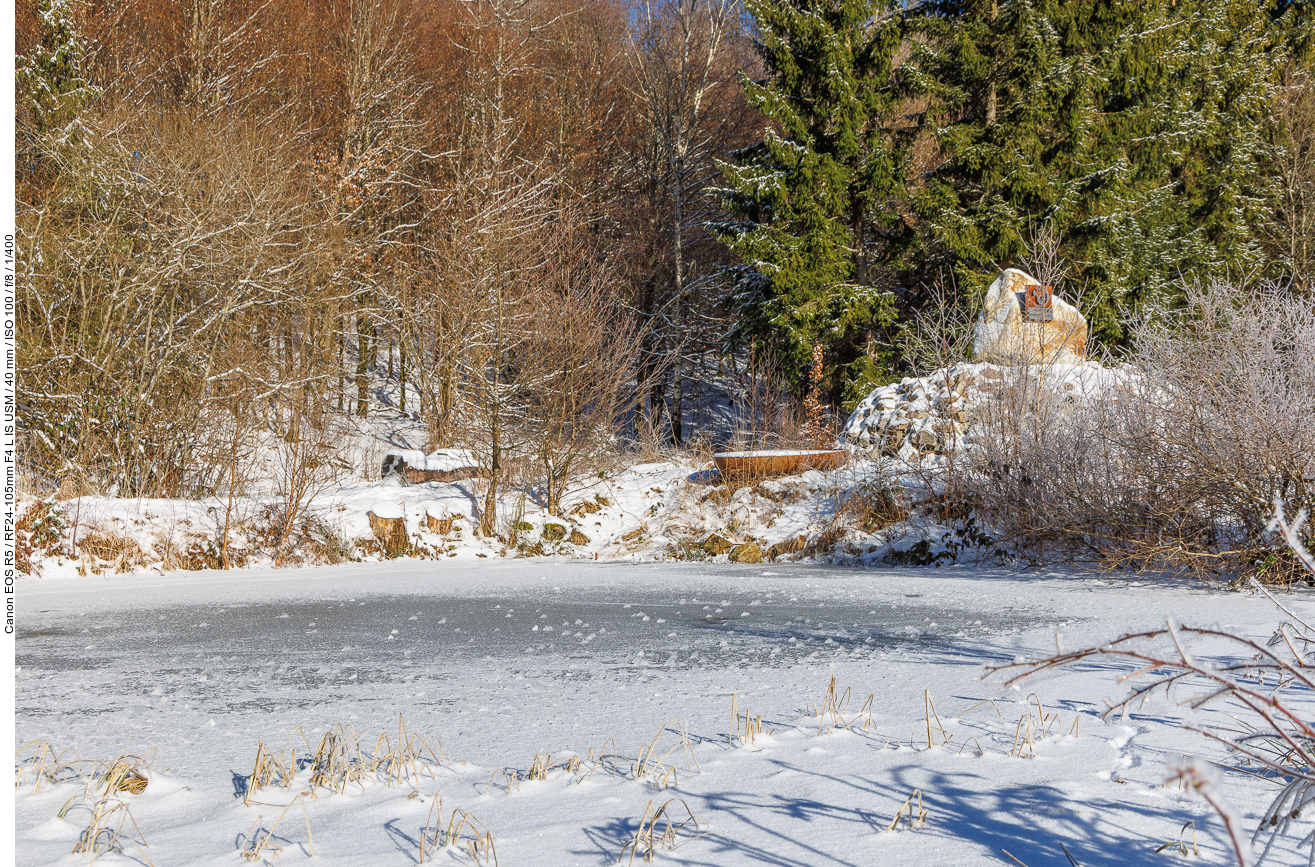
254	846
403	762
648	765
333	765
836	705
123	776
102	834
511	780
108	824
46	766
980	752
917	817
541	766
269	770
1032	727
931	713
602	754
646	835
991	702
1023	738
434	837
1179	846
746	727
338	759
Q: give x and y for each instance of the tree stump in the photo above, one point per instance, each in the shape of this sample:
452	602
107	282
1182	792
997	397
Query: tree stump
442	524
394	467
391	533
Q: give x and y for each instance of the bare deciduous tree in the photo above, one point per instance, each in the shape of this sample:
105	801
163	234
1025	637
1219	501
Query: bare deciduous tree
683	53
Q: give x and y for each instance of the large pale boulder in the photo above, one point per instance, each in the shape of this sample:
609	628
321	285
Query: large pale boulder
1023	323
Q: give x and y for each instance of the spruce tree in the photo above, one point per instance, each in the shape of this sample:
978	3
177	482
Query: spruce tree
1129	130
813	199
50	81
50	91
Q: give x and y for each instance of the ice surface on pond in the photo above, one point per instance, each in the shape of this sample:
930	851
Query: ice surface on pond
199	668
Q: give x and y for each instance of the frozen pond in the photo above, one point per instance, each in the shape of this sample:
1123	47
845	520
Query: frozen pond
495	663
351	636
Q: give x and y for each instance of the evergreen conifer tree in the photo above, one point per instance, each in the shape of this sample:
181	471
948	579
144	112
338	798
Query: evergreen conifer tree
50	80
813	198
1129	130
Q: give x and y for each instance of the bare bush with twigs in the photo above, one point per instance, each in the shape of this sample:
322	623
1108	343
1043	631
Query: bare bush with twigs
1173	469
1259	682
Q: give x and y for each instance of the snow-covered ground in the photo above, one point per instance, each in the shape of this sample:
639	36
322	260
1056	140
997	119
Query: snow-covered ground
651	511
906	437
500	663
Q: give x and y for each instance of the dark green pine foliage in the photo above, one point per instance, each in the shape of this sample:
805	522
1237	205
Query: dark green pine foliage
812	201
49	81
1129	131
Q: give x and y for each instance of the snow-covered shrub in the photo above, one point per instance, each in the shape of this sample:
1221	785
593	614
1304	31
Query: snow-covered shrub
1175	468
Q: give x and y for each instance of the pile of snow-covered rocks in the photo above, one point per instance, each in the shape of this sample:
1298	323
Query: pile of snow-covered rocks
932	414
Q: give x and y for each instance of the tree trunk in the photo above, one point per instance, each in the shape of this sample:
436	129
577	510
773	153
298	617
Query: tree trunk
401	374
682	301
364	348
990	87
860	248
342	362
488	519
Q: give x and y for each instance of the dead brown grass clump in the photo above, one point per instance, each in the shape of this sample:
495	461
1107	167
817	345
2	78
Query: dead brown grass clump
874	506
107	551
39	529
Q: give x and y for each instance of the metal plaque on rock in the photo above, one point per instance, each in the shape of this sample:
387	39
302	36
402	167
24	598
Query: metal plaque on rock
1039	303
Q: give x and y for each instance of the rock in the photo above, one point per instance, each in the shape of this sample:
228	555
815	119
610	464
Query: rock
715	545
924	440
391	533
749	552
554	532
788	546
1006	336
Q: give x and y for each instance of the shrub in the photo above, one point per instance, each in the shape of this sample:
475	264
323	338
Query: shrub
1175	468
1268	734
